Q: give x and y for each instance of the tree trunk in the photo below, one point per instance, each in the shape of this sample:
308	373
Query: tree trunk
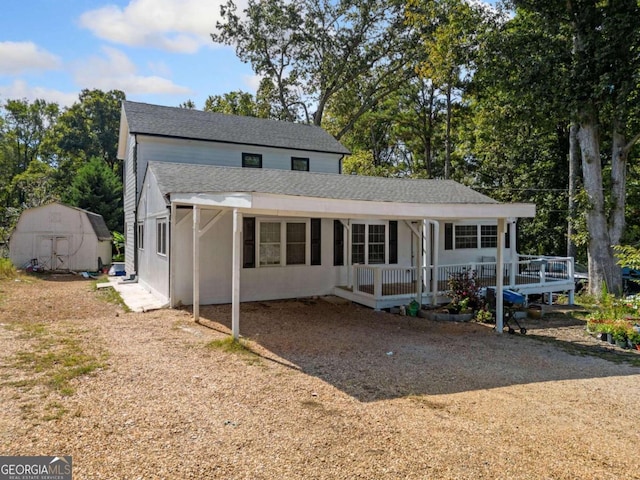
447	158
618	183
602	265
574	155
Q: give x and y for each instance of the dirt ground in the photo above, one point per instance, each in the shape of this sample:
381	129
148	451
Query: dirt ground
327	392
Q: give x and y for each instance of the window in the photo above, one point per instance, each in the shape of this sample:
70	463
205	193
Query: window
252	160
141	235
357	242
296	243
488	236
299	163
466	236
376	244
369	243
161	239
270	243
283	243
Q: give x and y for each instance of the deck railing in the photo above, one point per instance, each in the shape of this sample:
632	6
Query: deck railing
383	281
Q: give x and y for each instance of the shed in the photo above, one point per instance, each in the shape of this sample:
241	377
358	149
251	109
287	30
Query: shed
60	237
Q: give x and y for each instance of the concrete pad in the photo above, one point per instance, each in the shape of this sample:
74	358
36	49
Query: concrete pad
135	297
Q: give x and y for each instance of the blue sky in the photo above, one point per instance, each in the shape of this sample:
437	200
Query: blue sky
156	51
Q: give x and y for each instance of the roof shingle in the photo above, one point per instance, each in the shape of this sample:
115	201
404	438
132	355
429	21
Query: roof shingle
191	178
144	118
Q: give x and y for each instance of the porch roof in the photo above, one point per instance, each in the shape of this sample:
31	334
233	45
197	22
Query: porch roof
326	194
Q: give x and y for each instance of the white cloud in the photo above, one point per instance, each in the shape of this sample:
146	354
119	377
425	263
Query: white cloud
175	25
115	70
19	89
21	57
252	81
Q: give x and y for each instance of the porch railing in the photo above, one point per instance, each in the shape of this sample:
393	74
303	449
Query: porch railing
383	281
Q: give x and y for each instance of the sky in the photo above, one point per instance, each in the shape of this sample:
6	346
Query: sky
156	51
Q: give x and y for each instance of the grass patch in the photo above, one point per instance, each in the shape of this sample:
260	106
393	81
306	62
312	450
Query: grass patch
53	359
229	344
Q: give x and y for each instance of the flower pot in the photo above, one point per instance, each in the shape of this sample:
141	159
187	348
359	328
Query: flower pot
610	339
534	311
621	343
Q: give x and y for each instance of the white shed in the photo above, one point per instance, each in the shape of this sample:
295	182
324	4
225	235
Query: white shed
60	237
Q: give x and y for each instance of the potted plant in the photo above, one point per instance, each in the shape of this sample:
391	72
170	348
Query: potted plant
619	333
633	338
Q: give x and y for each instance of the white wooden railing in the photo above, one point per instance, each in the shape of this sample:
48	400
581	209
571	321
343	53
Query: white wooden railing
383	281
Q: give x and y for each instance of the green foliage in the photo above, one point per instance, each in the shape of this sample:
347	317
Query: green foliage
628	255
236	103
7	270
97	189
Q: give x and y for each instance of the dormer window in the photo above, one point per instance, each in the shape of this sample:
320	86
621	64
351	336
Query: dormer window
252	160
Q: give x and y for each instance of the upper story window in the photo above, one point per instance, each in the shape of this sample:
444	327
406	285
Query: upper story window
300	164
251	160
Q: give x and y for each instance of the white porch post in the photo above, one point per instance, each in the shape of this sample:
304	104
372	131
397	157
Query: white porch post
172	257
196	263
514	254
436	259
235	275
419	260
500	276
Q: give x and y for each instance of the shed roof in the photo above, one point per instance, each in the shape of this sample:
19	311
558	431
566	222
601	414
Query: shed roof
96	220
191	178
157	120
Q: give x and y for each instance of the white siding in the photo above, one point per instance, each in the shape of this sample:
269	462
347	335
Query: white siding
153	268
228	155
467	255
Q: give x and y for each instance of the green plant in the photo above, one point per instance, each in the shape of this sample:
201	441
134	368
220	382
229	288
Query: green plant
7	270
464	290
484	316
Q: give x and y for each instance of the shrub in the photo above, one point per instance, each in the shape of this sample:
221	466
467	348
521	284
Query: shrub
464	290
7	270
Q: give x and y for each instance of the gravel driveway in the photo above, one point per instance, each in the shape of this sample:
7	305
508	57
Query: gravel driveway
330	392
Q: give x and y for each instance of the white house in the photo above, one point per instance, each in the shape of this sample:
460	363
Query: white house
60	237
226	209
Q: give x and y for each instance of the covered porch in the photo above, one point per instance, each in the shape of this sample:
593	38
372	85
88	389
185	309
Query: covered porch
380	287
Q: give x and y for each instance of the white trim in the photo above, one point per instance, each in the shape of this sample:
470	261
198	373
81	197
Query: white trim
270	204
283	241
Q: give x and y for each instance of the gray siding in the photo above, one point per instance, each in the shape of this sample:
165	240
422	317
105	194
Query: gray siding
227	155
130	185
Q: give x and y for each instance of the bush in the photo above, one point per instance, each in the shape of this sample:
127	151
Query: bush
7	270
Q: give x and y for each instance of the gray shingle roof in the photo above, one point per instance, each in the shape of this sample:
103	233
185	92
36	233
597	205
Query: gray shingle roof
190	178
144	118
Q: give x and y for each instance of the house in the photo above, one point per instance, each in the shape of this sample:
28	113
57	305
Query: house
60	237
227	209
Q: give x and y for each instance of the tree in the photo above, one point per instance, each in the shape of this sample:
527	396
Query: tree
603	42
233	103
312	49
97	188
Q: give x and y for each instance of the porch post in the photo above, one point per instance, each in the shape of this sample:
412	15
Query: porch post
235	274
436	260
514	254
196	263
500	276
419	260
172	257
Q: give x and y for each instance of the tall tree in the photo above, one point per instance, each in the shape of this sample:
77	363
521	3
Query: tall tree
97	188
604	38
310	50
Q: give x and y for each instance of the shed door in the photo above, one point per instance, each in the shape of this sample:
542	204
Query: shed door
61	253
53	253
45	251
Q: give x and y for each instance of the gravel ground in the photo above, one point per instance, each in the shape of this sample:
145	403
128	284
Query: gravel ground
330	392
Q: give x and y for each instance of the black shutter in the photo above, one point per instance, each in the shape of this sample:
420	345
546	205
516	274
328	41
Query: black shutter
316	234
249	242
338	243
393	241
507	236
448	236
